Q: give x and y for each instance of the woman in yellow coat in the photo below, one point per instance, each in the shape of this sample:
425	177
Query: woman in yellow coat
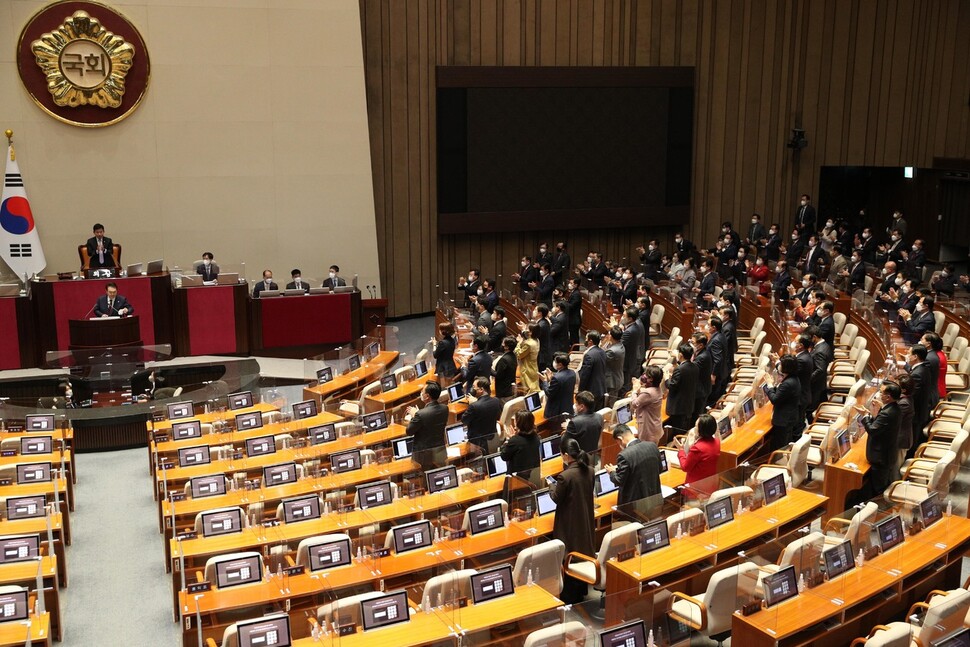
527	351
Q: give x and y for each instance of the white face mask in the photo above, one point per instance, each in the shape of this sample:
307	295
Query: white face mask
885	271
678	240
812	243
267	279
866	234
333	275
920	307
794	236
855	259
542	250
773	232
944	273
895	238
206	262
296	279
481	292
470	277
906	289
754	221
727	241
830	224
651	247
804	283
542	273
804	202
626	276
759	262
899	280
740	255
915	248
589	259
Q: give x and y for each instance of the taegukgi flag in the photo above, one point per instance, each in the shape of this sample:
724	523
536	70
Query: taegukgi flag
19	241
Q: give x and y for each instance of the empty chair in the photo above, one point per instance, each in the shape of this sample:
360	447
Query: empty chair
935	449
736	493
711	614
607	414
944	614
792	463
896	634
838	530
938	320
804	554
950	334
303	549
344	429
230	637
466	522
747	338
842	382
956	350
350	409
404	373
685	520
849	343
270	417
659	356
198	517
345	610
448	588
958	377
923	477
212	562
559	635
592	570
839	320
544	561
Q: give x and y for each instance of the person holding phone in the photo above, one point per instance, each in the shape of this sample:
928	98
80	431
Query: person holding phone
573	522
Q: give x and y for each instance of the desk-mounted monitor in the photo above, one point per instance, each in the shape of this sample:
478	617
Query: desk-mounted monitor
603	484
329	554
322	434
249	420
135	269
544	502
155	267
492	584
372	350
631	634
411	536
305	409
347	461
388	382
496	465
32	445
724	428
186	429
192	456
26	507
13	606
549	448
389	609
533	402
353	362
301	508
664	466
19	548
39	422
178	410
747	409
222	522
421	368
624	415
240	400
280	474
653	536
719	512
315	291
324	375
774	488
205	486
34	473
269	631
456	392
839	559
780	586
890	532
260	446
486	518
374	421
243	570
374	495
929	510
293	292
456	434
441	479
403	447
843	443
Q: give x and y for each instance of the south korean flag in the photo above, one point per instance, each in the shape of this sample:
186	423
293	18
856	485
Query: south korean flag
19	241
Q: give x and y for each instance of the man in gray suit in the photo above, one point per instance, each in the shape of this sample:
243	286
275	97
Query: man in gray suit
427	425
586	425
615	355
592	372
637	469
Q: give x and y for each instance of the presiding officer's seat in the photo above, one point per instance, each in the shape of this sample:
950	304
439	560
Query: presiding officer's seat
82	253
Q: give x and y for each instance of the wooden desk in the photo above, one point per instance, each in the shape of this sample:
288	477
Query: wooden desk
688	563
342	384
397	396
25	574
840	479
213	416
104	333
63	437
745	440
59	531
14	634
46	488
838	610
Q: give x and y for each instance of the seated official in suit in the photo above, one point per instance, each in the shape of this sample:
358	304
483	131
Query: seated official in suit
100	249
427	426
208	270
334	280
297	283
266	284
112	304
637	469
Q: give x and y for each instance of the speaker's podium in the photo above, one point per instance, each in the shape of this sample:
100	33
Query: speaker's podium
104	332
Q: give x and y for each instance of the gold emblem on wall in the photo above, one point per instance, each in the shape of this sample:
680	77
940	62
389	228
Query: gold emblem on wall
85	64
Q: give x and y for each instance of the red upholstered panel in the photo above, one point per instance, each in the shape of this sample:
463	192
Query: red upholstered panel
76	299
212	320
306	320
9	338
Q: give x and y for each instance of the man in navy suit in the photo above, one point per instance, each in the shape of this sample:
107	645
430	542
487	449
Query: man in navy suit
478	365
100	249
266	284
297	283
920	323
559	387
592	373
112	304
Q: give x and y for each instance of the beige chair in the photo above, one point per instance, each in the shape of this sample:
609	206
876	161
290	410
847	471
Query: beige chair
958	377
747	338
344	429
544	561
943	613
950	335
448	588
213	562
938	320
230	637
935	449
592	570
465	521
509	409
566	634
659	356
923	477
956	350
711	614
838	530
350	409
896	634
839	319
842	382
804	554
737	493
792	463
685	520
656	320
303	549
346	610
849	343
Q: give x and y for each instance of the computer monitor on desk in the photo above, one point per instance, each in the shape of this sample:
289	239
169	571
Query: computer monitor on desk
373	495
549	448
774	488
544	502
456	392
280	474
653	536
747	409
19	548
301	508
305	409
135	269
455	434
388	382
240	400
324	375
496	465
603	484
221	522
384	611
347	461
192	280
322	434
234	572
421	369
294	292
374	421
353	362
780	586
186	429
192	456
34	473
13	606
26	507
329	554
39	422
492	584
156	266
719	512
403	447
178	410
624	415
372	350
929	510
632	634
260	446
204	486
724	428
890	532
31	445
269	631
839	559
228	278
411	536
486	518
441	479
249	420
533	402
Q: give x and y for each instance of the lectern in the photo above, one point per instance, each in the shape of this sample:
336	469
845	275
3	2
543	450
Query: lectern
104	333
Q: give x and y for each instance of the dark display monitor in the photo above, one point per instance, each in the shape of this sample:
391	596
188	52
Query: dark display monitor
719	512
774	488
456	392
280	474
324	375
441	479
186	429
403	447
603	484
13	606
549	448
203	486
388	383
192	456
492	584
353	362
412	536
456	434
533	402
250	420
486	518
260	446
839	559
221	522
843	443
653	536
305	409
39	422
301	508
544	502
34	473
747	409
373	495
30	445
421	369
374	421
347	461
372	350
780	586
389	609
178	410
243	570
624	415
26	507
664	466
240	400
269	631
322	434
496	465
724	428
19	548
890	532
929	510
329	554
631	634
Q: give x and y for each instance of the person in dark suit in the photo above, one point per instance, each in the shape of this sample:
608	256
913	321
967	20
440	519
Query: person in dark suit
427	426
574	304
592	371
559	327
815	257
334	280
916	325
297	283
546	285
856	273
705	291
112	304
521	450
773	244
717	347
526	275
650	259
797	247
867	247
208	270
100	249
560	263
470	285
729	330
615	355
559	387
681	390
443	351
933	360
595	270
266	284
498	330
683	247
826	322
757	233
585	427
822	354
488	295
805	215
803	355
479	364
915	258
894	251
784	397
633	346
904	439
541	315
946	282
919	372
481	415
637	469
504	370
573	523
882	432
705	370
544	256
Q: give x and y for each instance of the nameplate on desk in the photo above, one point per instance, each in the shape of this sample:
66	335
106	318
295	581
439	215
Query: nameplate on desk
626	554
271	523
346	507
5	481
757	503
347	629
299	569
158	416
186	535
8	452
462	602
198	587
15	427
161	438
166	465
176	495
381	552
751	608
873	551
696	529
458	534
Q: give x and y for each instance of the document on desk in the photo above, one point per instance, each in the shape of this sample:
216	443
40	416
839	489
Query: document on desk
104	318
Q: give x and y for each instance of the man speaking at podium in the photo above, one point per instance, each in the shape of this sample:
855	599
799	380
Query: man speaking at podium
112	304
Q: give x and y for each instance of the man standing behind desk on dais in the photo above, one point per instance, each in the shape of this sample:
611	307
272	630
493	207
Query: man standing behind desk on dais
100	249
112	304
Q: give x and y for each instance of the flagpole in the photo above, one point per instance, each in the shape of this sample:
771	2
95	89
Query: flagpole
9	134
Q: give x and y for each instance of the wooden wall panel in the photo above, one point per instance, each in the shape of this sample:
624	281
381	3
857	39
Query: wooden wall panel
873	82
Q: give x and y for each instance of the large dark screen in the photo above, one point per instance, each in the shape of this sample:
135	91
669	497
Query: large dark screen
601	146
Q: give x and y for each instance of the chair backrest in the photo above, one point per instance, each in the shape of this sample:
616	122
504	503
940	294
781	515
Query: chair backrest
958	346
944	615
404	373
685	519
839	320
757	326
559	635
803	553
657	314
283	441
963	366
303	549
545	562
394	490
423	354
896	634
722	595
509	409
860	362
346	609
798	460
857	347
614	542
210	564
448	588
856	390
950	334
938	320
198	517
343	429
944	473
370	389
736	493
230	637
622	402
849	334
758	341
465	523
607	414
858	519
674	340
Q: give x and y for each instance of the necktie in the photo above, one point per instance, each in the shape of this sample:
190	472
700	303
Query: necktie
100	251
801	216
110	304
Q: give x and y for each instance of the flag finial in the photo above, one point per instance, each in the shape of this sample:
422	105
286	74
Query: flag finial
9	134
